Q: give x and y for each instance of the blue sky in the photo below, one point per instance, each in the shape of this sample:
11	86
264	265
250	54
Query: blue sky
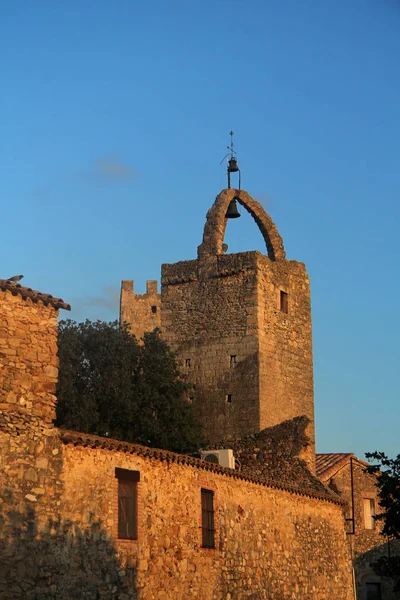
115	117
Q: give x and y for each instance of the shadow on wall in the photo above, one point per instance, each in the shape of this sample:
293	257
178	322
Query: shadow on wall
366	575
230	406
58	561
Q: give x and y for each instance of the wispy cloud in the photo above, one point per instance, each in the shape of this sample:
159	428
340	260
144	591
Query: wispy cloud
110	168
263	198
104	306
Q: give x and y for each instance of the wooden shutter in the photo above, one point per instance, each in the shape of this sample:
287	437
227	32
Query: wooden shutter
127	503
207	519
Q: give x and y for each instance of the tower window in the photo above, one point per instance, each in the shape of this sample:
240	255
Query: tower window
154	309
228	398
284	303
233	360
187	362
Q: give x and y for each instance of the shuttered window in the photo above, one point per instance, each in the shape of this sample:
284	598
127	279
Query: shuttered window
369	512
207	519
127	503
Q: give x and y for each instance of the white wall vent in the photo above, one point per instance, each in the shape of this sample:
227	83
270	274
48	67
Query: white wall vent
224	457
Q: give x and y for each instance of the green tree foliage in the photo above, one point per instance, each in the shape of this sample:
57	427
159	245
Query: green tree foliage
109	384
387	472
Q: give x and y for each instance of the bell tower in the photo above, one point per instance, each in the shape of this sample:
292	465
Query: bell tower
241	325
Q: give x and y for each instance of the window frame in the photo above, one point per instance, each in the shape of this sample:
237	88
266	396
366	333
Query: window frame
126	478
284	302
377	586
368	516
208	530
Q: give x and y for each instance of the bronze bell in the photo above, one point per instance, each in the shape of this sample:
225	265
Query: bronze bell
232	165
232	212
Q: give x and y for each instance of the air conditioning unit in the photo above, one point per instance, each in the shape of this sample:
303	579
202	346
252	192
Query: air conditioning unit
223	458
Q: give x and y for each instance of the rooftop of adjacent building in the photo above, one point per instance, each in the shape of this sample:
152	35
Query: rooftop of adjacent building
34	295
328	464
273	470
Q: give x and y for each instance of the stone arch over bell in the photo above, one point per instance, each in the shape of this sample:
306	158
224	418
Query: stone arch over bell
215	226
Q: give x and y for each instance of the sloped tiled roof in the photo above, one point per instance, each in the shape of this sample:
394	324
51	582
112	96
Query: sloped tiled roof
94	441
275	453
34	295
329	463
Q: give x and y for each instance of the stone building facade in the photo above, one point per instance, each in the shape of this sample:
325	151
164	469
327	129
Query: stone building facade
60	505
345	474
241	326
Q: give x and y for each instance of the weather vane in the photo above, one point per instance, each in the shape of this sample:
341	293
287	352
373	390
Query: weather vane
232	211
232	162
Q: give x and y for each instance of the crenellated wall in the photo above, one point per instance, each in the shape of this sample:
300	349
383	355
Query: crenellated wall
241	326
140	311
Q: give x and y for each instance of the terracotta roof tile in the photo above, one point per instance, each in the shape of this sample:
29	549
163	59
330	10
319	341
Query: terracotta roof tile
34	295
94	441
275	453
326	463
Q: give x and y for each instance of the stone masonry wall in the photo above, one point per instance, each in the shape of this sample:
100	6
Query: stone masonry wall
250	363
248	360
30	450
140	311
28	362
212	326
285	345
270	543
58	506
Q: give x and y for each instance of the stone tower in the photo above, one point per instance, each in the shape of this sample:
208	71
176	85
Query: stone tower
241	325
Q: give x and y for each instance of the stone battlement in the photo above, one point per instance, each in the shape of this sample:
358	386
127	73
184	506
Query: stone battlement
140	311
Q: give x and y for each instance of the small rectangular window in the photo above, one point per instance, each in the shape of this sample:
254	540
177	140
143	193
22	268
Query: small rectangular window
187	362
233	360
154	309
207	519
127	503
228	398
284	303
373	591
369	512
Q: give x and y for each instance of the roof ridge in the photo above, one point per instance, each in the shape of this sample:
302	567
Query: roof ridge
34	295
89	439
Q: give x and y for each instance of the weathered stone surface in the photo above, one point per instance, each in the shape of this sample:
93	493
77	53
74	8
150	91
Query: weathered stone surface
347	477
59	506
140	311
248	358
269	542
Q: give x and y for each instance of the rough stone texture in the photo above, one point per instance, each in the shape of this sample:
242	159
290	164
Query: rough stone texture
215	226
250	363
338	471
58	506
278	454
19	290
28	362
140	311
43	555
270	543
271	458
